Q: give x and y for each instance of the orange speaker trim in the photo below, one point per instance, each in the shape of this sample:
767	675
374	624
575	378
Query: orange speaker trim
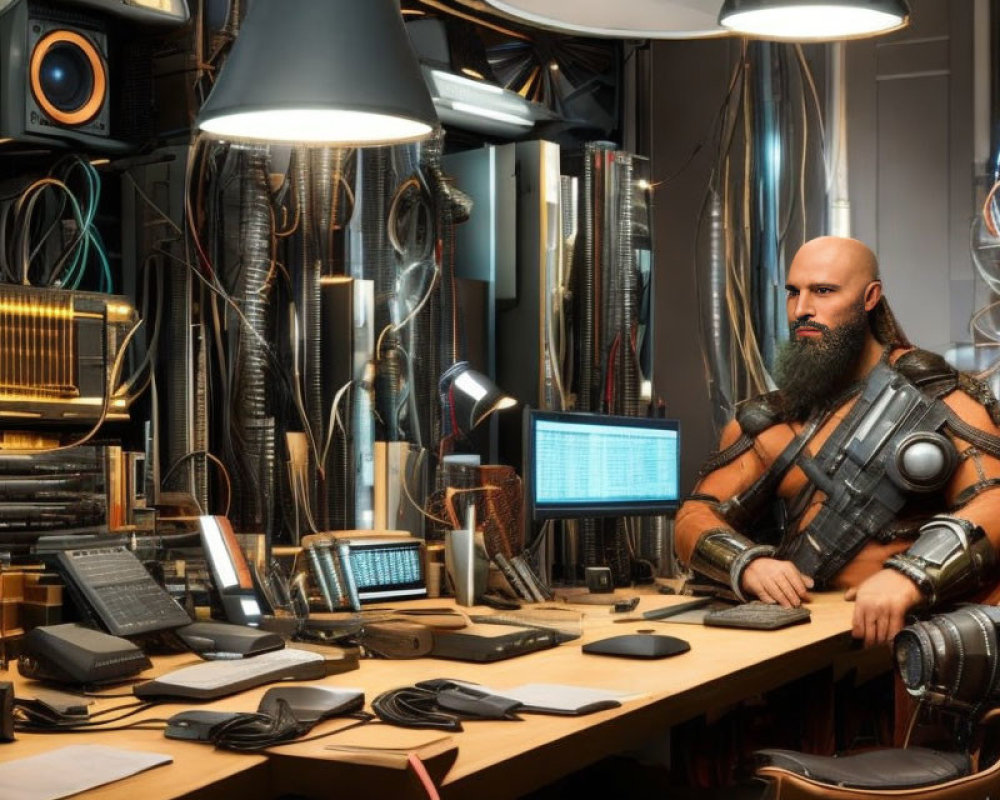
88	110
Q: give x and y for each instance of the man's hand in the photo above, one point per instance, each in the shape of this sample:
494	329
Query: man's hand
775	581
881	603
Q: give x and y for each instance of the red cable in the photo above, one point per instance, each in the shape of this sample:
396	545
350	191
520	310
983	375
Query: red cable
425	779
609	383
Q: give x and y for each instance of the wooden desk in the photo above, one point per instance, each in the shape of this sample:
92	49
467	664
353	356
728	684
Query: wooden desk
494	759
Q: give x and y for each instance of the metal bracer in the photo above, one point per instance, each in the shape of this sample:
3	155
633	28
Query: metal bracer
722	555
950	558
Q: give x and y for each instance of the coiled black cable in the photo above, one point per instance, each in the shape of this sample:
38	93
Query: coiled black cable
413	707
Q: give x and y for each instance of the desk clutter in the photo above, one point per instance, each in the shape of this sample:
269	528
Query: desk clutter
303	693
263	672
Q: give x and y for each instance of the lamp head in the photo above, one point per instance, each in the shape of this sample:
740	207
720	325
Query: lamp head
814	20
337	72
468	397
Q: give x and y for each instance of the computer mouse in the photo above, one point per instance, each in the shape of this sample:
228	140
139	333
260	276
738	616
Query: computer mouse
312	703
198	725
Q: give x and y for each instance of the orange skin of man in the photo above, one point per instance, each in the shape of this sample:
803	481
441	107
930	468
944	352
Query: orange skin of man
827	281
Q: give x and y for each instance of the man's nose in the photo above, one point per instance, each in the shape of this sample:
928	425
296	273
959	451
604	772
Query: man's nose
803	308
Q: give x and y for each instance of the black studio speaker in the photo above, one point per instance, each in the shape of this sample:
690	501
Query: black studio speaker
70	77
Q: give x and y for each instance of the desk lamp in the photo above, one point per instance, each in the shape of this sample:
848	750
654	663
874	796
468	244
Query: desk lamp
337	72
468	397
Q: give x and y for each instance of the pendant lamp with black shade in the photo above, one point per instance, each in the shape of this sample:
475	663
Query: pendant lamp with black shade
339	72
813	20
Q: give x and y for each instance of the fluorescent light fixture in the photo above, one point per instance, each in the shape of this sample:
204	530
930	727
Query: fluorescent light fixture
338	72
642	19
458	99
488	113
805	20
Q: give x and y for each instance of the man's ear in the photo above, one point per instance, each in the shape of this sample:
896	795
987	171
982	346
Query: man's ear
873	293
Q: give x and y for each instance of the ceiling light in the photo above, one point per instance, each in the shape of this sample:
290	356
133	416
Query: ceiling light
802	20
635	19
321	71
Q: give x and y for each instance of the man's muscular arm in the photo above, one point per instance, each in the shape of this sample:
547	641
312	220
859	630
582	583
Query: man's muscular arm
954	554
709	544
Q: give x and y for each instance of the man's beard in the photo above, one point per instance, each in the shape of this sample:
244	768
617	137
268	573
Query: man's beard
810	371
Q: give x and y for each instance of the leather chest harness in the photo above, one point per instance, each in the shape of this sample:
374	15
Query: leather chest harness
889	447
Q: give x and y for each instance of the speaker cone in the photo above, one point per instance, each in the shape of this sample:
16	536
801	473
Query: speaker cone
68	77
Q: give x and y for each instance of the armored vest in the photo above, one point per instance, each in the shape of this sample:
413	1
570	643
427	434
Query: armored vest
890	446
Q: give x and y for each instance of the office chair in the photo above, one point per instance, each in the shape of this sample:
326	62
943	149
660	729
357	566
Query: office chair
951	665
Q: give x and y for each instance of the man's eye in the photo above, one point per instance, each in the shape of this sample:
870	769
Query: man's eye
823	290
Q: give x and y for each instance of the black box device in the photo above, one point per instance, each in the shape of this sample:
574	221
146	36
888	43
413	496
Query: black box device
74	654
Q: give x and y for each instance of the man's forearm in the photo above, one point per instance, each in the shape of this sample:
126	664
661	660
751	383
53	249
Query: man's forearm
722	554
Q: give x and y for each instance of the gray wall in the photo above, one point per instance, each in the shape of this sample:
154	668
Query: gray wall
911	166
689	82
911	180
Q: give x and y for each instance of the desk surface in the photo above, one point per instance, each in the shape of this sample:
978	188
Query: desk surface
494	759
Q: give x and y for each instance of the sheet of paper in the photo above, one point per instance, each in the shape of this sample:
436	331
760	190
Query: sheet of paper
68	770
557	696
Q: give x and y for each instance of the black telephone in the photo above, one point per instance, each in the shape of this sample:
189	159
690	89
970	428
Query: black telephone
111	589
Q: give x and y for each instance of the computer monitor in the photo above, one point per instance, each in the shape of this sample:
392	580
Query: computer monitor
592	465
230	571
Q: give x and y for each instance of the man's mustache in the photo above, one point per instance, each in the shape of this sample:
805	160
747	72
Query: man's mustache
806	325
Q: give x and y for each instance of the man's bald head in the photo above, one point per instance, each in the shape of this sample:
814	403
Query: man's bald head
843	256
829	279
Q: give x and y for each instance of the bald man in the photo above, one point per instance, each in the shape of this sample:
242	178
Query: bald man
884	460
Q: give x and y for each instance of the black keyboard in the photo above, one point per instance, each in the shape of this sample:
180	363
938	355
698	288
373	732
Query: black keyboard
120	591
210	679
757	615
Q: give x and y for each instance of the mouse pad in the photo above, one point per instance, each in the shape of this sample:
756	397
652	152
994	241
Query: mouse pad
638	645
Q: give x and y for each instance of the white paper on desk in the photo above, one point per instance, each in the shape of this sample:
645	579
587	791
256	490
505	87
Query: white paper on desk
68	770
559	698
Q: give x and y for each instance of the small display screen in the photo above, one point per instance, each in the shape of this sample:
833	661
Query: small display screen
580	465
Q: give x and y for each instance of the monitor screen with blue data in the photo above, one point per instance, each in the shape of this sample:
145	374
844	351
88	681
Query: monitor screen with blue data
594	465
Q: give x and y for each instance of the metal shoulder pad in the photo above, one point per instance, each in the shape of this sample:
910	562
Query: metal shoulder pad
950	558
722	555
760	413
928	371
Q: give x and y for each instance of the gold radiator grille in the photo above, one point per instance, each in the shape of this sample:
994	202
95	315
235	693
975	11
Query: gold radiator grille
37	344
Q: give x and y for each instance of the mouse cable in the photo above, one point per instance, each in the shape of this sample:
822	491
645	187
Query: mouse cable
142	725
363	718
29	718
